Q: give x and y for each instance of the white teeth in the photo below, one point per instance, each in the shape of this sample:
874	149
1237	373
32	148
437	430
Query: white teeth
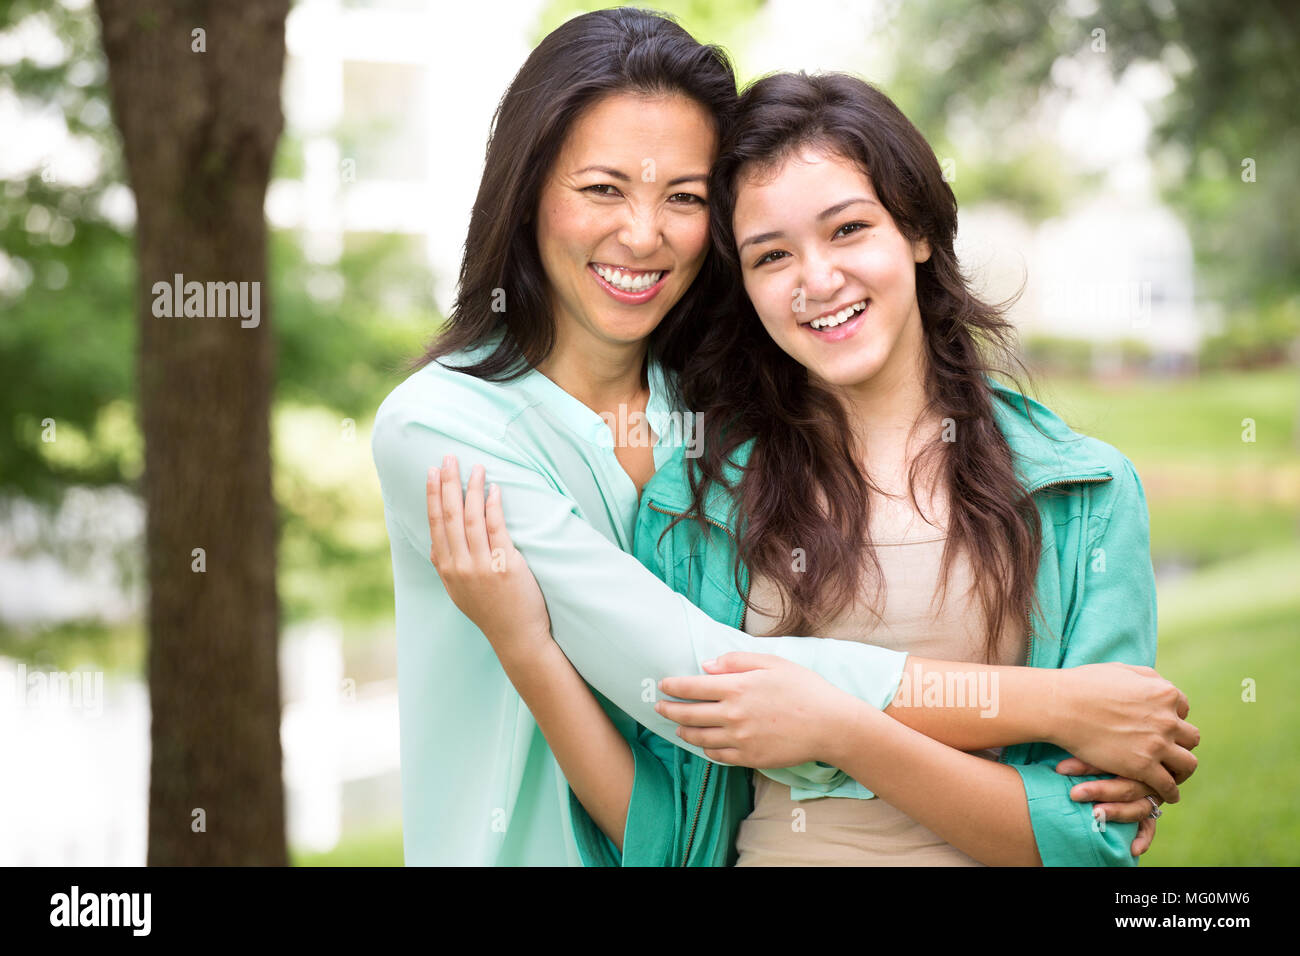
628	282
839	317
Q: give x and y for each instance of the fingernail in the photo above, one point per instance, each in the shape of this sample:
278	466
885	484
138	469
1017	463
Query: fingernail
492	489
446	462
710	663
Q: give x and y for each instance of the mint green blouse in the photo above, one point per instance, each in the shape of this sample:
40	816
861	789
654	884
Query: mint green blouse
479	784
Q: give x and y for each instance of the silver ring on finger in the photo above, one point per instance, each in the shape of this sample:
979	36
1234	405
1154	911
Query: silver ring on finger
1155	808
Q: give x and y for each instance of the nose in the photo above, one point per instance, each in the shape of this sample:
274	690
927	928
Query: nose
641	233
822	278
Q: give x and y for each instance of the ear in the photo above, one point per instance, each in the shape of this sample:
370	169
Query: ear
921	251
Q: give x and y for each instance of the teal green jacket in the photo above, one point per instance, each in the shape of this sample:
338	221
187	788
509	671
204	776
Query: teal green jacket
1097	598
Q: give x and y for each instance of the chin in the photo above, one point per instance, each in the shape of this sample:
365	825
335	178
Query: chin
630	331
847	376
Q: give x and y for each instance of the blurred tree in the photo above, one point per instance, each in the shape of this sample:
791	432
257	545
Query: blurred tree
196	96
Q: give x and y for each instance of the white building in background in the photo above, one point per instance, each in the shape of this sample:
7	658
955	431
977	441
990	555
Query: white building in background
1118	264
1137	284
1112	269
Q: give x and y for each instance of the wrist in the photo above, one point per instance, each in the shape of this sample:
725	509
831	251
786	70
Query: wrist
1059	709
850	720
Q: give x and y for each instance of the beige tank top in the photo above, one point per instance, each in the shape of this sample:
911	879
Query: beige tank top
839	831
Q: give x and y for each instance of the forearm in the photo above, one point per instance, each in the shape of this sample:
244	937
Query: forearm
594	757
986	816
973	706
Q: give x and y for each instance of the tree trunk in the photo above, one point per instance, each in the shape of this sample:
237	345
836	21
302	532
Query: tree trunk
199	114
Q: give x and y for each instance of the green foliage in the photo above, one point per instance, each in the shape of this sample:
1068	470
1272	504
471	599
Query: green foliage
1036	180
66	345
67	305
1226	143
1255	337
343	330
1055	354
77	645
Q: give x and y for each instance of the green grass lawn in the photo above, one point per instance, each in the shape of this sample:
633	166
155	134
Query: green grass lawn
1212	496
1220	627
1196	420
375	848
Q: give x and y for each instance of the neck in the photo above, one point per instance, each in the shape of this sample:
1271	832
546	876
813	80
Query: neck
597	373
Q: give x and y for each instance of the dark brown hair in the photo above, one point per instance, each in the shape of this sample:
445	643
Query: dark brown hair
802	487
586	58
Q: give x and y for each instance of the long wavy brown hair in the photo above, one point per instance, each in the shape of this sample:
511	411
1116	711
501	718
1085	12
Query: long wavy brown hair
803	487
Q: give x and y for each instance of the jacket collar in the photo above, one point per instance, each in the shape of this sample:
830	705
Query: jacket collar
1046	452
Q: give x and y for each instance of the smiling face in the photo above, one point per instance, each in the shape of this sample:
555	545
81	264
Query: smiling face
829	274
622	220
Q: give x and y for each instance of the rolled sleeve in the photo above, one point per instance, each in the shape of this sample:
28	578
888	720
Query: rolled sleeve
654	812
1065	831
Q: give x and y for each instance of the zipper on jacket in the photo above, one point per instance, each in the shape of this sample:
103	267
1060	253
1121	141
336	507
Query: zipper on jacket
1029	607
708	767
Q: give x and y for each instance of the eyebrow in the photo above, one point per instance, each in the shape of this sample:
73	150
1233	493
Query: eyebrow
625	178
826	213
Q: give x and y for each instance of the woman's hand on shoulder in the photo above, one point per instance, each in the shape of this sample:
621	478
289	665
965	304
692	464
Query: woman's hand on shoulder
482	571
